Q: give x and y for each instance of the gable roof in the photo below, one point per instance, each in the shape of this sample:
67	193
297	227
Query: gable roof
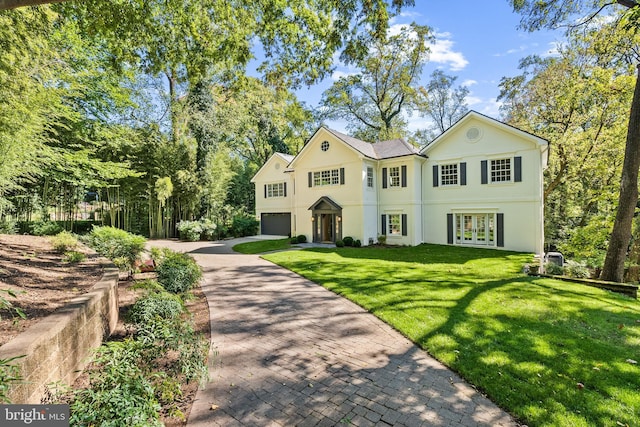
377	150
540	142
287	158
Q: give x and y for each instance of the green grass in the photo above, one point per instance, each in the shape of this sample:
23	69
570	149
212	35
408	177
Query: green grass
526	342
262	246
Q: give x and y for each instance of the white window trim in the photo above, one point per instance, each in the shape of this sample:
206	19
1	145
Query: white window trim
457	174
391	177
332	178
275	190
490	174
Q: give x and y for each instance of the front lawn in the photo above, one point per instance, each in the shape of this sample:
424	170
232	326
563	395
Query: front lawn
550	352
262	246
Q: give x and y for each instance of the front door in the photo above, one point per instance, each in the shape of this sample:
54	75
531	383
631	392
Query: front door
326	227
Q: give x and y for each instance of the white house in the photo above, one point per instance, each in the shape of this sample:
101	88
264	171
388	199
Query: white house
478	184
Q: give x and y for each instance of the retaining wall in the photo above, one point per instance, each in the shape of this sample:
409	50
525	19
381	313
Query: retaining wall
58	347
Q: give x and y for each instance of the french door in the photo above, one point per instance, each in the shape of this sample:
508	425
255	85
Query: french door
475	229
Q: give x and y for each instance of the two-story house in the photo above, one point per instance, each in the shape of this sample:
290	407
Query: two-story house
479	183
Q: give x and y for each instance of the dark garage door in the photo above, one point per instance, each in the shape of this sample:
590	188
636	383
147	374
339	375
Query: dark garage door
278	224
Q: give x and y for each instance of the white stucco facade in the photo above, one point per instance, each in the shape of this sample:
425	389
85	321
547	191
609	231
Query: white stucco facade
478	184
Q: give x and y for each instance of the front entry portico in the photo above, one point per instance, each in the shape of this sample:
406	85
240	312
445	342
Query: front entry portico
326	221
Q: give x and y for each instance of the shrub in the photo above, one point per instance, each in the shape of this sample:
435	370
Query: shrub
123	248
293	240
190	231
73	257
576	269
302	238
382	239
46	228
9	374
8	227
155	304
208	229
178	272
64	242
244	225
357	244
339	244
348	241
553	268
119	392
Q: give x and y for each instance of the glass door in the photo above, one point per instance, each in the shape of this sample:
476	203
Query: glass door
475	229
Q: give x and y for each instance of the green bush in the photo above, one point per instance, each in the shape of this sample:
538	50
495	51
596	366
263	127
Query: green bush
294	240
9	374
348	241
73	257
45	228
119	393
123	248
339	244
244	225
357	244
553	268
64	242
382	239
302	238
155	304
8	227
579	270
178	272
190	231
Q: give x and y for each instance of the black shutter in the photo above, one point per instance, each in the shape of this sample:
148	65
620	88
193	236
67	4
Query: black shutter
310	180
435	175
384	177
265	191
403	170
484	179
285	189
384	225
517	169
404	224
341	176
450	228
500	229
463	173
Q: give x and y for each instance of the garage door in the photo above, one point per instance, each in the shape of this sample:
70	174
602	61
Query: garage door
278	224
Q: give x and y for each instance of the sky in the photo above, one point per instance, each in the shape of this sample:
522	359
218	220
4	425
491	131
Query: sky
479	42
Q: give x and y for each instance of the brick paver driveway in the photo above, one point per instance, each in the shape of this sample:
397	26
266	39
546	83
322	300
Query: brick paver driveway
287	352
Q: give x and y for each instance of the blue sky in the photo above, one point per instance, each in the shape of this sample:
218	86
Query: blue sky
477	41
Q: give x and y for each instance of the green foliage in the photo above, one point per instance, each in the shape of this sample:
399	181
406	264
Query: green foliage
7	305
178	272
340	244
9	374
119	392
190	231
64	242
302	238
526	342
8	227
348	241
554	269
73	257
46	228
382	239
576	269
121	247
163	305
357	244
244	225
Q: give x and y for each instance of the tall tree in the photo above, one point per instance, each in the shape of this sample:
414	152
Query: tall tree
374	99
552	14
443	103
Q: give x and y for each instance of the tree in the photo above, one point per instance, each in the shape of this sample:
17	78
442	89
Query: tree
554	13
442	103
574	99
373	100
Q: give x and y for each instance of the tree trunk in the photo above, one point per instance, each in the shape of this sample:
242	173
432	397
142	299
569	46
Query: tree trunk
613	268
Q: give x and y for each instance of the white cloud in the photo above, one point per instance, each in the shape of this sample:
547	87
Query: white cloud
469	82
338	73
442	53
553	50
473	100
519	49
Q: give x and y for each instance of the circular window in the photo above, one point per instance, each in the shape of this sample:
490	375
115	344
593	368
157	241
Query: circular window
473	134
324	146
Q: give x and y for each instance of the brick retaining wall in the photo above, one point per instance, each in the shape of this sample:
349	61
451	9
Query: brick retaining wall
58	347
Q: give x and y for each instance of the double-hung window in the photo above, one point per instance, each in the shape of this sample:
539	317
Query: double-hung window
449	174
370	177
500	170
327	177
278	189
394	176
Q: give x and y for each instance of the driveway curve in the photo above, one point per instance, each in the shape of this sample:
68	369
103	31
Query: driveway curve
287	352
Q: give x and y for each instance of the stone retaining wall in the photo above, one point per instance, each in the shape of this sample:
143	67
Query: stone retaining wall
58	347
